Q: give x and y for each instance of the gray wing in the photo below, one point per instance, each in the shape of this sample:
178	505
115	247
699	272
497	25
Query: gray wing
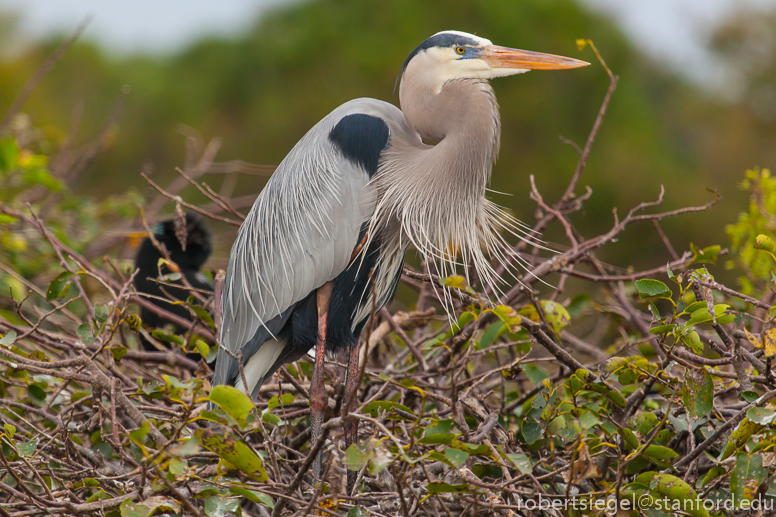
299	234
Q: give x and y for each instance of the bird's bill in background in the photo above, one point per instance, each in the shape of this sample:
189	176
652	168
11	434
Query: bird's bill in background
505	57
135	237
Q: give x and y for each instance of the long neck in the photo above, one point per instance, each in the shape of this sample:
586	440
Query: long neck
464	117
433	197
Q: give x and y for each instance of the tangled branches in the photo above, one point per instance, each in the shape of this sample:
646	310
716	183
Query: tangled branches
636	387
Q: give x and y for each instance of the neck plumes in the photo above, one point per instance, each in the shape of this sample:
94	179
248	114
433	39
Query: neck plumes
433	197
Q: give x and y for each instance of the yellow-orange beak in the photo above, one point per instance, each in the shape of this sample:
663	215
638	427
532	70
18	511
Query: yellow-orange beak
134	237
504	57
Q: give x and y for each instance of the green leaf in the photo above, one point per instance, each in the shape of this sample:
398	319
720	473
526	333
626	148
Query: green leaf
612	365
59	286
217	506
101	312
357	511
747	476
674	489
97	496
203	316
253	495
535	374
698	393
627	376
662	329
36	394
232	450
233	402
532	432
766	244
446	488
9	430
556	314
285	399
463	320
707	255
138	436
693	342
616	397
9	154
649	288
167	338
506	314
357	456
42	176
438	438
694	306
27	449
629	437
84	333
456	281
118	352
177	466
589	419
269	418
658	452
644	423
702	315
148	507
202	348
712	474
492	333
521	462
373	408
740	436
761	415
441	426
456	457
8	339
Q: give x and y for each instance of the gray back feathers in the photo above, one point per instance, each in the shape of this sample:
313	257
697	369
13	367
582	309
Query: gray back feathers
299	234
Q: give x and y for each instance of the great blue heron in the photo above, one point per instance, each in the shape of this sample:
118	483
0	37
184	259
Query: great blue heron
353	194
188	262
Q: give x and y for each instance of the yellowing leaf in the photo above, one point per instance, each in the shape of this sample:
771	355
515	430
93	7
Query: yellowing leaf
753	340
766	244
234	402
232	450
769	340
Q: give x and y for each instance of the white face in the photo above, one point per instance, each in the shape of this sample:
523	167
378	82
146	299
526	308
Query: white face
463	61
451	55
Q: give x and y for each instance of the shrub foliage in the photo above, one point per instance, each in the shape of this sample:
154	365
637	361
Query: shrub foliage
650	390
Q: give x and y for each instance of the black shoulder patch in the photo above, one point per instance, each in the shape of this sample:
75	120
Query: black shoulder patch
361	138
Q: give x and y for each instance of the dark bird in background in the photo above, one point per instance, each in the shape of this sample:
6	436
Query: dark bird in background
325	240
188	261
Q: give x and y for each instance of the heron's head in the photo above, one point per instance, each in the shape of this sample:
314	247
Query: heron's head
452	55
197	237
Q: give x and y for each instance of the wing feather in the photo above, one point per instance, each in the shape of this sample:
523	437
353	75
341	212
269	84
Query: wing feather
299	234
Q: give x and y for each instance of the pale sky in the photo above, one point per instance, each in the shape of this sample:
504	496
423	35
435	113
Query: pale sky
669	29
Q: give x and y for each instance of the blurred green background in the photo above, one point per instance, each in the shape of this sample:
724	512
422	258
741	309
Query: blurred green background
260	90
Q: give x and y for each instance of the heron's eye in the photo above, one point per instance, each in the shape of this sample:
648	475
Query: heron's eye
460	50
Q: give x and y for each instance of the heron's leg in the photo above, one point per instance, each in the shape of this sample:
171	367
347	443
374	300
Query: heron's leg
351	424
319	399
